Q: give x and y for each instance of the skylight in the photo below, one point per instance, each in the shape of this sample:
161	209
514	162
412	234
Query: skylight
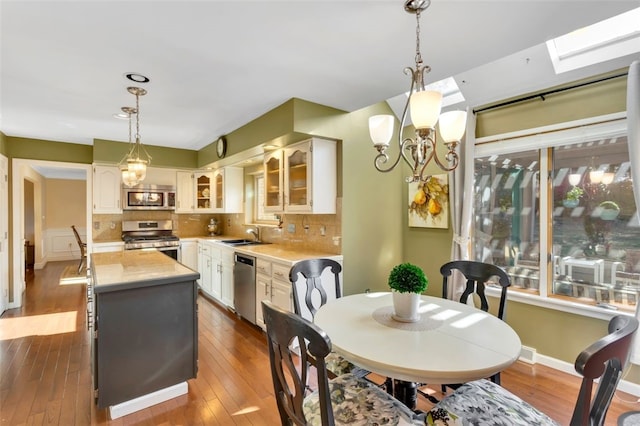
609	39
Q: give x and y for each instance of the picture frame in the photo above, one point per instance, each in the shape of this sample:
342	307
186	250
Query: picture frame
429	203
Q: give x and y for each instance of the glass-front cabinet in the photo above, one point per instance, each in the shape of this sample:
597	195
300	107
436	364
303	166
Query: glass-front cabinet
273	175
218	191
301	178
204	191
297	180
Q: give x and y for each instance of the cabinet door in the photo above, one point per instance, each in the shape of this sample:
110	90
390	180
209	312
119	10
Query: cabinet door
107	189
273	175
189	254
281	294
297	178
218	185
205	267
226	276
184	192
263	288
204	192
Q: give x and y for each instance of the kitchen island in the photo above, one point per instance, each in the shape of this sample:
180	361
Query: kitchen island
142	307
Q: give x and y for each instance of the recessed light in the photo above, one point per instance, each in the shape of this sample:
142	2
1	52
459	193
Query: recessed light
138	78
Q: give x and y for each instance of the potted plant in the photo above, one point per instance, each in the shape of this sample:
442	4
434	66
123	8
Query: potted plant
609	210
572	198
407	281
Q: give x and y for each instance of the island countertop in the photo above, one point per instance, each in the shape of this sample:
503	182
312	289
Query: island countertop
121	270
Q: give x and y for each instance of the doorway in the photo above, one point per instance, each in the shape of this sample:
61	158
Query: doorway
37	172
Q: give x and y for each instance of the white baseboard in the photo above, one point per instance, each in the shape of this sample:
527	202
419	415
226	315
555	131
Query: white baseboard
624	386
146	401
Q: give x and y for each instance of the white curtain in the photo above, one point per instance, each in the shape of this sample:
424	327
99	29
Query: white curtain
461	202
633	139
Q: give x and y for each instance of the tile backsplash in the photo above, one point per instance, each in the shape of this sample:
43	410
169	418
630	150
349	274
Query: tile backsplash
305	231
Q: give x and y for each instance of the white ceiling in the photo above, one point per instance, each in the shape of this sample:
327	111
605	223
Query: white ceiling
216	65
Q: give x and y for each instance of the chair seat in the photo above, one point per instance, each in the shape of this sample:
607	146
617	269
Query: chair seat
338	366
357	402
482	402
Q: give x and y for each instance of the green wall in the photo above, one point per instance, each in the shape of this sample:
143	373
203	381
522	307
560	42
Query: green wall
112	152
3	144
38	149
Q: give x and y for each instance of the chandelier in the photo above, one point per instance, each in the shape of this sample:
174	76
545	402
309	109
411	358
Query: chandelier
424	106
134	164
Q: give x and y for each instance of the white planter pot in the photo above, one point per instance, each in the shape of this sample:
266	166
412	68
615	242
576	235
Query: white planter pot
405	306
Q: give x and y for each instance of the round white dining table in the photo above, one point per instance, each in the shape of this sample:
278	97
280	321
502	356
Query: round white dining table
450	343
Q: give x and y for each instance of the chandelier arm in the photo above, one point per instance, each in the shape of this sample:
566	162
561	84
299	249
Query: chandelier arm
452	158
382	158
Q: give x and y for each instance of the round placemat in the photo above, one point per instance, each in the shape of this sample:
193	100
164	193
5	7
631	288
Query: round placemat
631	418
384	316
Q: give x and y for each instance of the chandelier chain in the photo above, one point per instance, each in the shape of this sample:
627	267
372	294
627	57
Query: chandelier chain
418	54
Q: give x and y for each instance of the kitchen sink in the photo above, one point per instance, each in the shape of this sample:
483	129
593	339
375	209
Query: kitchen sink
243	242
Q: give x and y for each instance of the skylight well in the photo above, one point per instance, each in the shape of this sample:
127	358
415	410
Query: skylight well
609	39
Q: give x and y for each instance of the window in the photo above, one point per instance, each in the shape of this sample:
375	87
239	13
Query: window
258	207
557	212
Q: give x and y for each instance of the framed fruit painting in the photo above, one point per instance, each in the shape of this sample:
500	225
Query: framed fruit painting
429	203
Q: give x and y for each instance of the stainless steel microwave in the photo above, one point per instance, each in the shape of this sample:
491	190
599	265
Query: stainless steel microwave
149	197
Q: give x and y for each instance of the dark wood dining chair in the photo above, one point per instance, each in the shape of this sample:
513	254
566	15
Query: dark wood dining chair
336	401
484	402
315	296
83	249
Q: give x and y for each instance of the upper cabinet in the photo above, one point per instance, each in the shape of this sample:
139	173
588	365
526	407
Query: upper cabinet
107	190
301	178
219	191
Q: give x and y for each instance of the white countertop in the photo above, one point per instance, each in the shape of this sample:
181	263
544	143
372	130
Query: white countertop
452	343
128	268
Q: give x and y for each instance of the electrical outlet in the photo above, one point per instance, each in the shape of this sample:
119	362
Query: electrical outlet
291	228
96	225
323	230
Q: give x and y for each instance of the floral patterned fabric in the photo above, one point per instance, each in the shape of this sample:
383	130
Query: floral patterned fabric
357	402
338	365
484	403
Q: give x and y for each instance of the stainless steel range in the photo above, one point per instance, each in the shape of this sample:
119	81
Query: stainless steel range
146	234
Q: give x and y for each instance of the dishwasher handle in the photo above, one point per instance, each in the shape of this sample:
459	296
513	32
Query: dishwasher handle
244	259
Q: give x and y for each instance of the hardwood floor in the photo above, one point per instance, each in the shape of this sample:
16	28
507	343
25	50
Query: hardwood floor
45	376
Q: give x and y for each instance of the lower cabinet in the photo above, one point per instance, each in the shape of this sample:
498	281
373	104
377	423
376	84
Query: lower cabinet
215	264
189	254
272	283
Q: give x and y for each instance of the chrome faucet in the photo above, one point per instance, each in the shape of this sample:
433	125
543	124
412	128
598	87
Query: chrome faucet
255	232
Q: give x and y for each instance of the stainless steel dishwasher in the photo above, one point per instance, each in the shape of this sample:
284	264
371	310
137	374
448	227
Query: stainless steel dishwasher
244	286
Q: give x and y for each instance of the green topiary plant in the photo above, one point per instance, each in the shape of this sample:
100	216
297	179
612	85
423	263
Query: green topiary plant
574	193
408	278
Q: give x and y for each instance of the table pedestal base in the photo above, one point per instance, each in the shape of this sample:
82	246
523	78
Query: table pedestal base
406	392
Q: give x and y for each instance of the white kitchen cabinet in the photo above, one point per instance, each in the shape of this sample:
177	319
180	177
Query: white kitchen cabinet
189	254
228	194
184	192
272	283
107	190
302	178
205	267
226	276
219	191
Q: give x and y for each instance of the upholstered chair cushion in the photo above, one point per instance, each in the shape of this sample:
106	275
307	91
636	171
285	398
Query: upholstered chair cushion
482	402
357	402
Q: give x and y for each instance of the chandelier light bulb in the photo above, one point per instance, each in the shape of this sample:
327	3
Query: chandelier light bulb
425	108
596	176
574	178
452	125
381	129
607	178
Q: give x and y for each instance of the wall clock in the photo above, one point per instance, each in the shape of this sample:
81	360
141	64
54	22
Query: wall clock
221	147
